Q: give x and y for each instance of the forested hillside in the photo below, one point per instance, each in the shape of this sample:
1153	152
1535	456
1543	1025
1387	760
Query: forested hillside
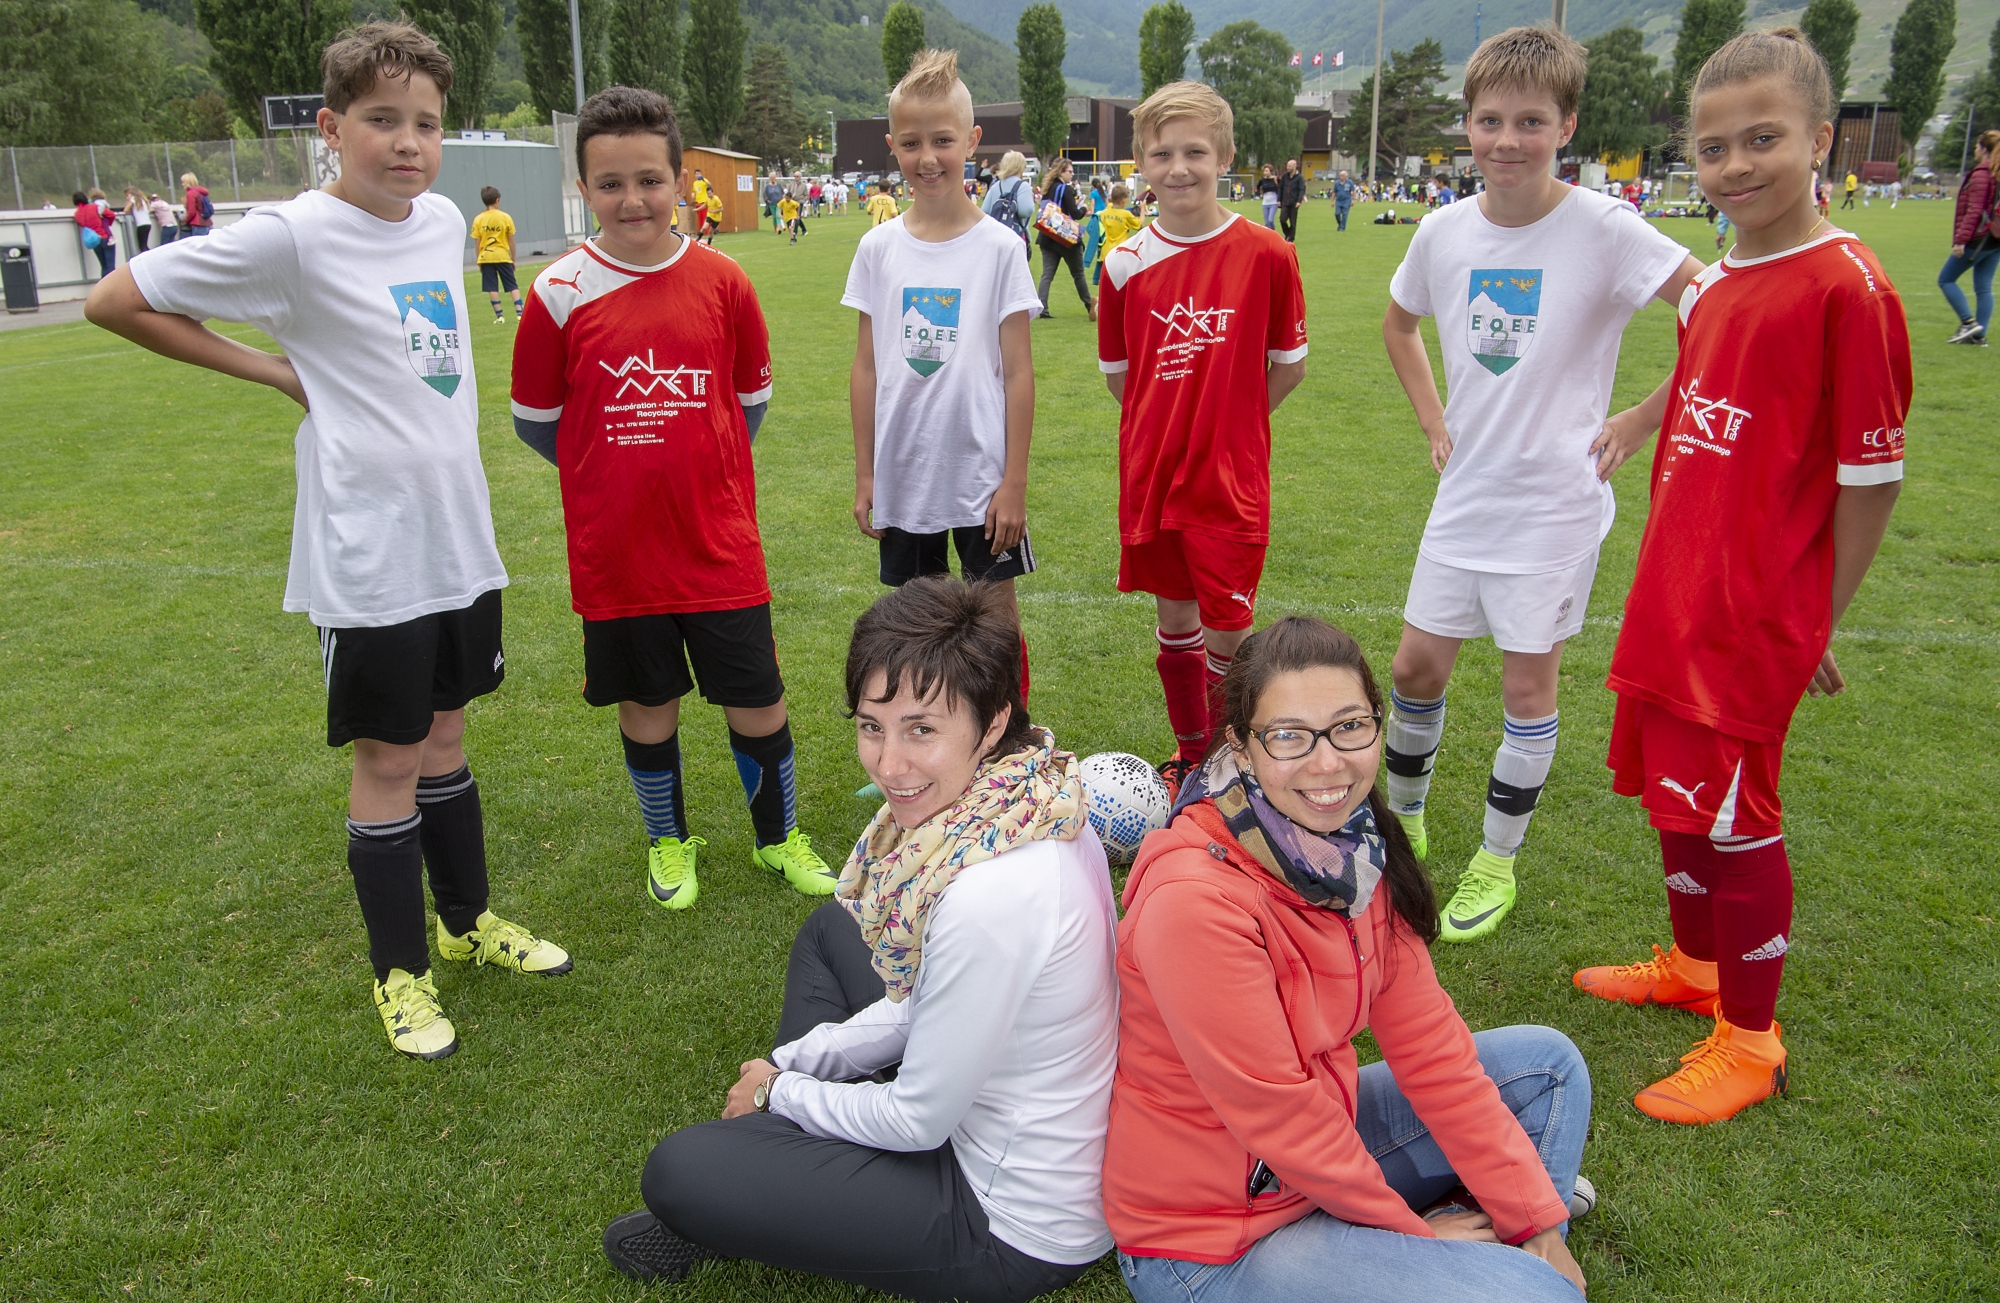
838	62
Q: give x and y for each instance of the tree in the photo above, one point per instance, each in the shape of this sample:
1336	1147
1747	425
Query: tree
1622	93
268	47
75	73
902	37
646	45
546	58
771	127
1251	67
1044	93
713	69
1706	26
1918	48
1830	26
1165	32
1414	115
469	31
1982	100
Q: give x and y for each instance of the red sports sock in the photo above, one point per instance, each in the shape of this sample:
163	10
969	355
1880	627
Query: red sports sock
1753	924
1024	669
1214	667
1692	875
1181	671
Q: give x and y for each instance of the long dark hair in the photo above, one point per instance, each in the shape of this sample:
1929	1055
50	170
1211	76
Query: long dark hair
1299	642
939	633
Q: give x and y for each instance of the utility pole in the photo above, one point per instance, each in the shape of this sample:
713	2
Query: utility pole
1478	12
1375	110
1558	13
576	51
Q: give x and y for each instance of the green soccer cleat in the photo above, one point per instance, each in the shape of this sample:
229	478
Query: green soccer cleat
1413	828
670	871
1485	895
795	860
412	1017
493	940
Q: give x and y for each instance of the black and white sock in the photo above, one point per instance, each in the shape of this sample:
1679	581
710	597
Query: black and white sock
388	869
1409	750
765	766
454	842
1520	768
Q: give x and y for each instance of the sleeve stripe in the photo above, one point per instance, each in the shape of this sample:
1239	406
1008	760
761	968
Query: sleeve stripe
1286	355
1881	472
527	413
1113	368
751	400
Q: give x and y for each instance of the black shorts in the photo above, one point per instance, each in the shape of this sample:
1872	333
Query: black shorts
906	555
385	682
644	658
496	276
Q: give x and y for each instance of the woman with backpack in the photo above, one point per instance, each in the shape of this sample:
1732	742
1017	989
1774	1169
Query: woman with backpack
200	218
1975	243
1010	200
1058	249
96	232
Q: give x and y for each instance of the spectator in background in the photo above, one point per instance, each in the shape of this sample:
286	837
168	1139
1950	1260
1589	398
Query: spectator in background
90	220
1010	200
1343	197
1267	195
163	218
1291	195
1060	189
199	219
142	217
773	192
1975	245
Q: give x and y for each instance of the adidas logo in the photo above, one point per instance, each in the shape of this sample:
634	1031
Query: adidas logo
1686	885
1775	948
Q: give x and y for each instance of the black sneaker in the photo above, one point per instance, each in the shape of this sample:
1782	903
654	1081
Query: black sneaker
1174	771
640	1247
1967	332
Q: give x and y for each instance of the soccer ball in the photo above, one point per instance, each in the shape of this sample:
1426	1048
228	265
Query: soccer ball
1126	799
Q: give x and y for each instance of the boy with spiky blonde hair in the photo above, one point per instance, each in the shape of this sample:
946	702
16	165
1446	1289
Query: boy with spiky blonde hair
943	388
1525	448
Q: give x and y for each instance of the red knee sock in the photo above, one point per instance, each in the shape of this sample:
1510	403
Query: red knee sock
1753	925
1689	861
1214	667
1024	669
1180	664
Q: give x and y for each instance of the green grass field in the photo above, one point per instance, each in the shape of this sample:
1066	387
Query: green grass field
196	1098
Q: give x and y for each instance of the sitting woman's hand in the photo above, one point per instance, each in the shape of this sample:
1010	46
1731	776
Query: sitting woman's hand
742	1096
1463	1226
1550	1247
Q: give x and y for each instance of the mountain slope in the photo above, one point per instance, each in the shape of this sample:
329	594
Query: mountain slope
837	62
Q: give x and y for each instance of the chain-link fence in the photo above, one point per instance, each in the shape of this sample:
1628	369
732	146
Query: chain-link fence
271	168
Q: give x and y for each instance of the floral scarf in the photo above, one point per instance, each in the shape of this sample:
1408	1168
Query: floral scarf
893	879
1338	870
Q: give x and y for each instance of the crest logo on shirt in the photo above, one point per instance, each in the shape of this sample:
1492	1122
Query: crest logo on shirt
1500	322
930	328
431	338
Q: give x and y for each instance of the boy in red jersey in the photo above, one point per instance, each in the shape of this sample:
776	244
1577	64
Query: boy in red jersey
1211	309
642	371
1778	464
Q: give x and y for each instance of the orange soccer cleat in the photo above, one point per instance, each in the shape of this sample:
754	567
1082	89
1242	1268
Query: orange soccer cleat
1670	978
1726	1073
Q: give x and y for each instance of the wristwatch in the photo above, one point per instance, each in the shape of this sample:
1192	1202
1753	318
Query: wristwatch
761	1097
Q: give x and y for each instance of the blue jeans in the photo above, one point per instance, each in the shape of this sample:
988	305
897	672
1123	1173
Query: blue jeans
1321	1259
1340	214
1982	264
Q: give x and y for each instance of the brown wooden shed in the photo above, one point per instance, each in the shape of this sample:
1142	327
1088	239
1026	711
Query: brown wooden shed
734	175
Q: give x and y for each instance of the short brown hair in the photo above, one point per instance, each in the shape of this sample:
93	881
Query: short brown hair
1185	99
361	55
489	194
1534	58
939	634
627	111
933	76
1782	52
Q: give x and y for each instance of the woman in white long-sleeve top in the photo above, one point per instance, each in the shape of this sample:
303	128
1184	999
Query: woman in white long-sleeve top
932	1120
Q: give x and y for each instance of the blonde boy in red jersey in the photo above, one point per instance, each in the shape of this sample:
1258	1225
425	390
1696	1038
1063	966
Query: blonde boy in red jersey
642	370
1778	465
1201	333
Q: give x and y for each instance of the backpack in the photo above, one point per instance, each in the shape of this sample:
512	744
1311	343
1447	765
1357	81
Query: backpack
207	209
91	239
1008	213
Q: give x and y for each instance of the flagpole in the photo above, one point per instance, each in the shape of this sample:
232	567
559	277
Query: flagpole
1375	111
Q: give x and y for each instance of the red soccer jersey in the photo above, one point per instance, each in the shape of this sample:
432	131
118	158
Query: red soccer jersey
646	371
1201	319
1793	380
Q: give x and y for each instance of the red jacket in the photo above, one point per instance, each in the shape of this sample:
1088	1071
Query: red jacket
1975	206
90	219
1238	1005
192	198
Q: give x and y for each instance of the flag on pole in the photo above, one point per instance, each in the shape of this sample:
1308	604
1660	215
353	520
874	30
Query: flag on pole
1319	59
1340	58
1298	57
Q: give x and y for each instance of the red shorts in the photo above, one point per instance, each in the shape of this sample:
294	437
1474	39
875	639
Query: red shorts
1217	574
1691	778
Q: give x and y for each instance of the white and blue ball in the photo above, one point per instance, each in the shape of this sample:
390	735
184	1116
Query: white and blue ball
1126	799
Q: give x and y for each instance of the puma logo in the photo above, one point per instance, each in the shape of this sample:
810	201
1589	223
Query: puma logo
1685	792
571	282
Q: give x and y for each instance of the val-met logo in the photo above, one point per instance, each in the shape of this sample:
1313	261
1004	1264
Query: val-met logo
1500	323
431	337
930	328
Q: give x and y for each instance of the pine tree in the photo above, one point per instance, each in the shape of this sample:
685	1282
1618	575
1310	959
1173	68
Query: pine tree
772	127
268	47
713	69
1981	99
1414	115
902	37
1706	26
646	45
1165	32
1918	49
469	31
1621	92
1830	26
1251	67
1044	106
546	57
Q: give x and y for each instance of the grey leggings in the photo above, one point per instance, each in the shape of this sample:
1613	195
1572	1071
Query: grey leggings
1053	255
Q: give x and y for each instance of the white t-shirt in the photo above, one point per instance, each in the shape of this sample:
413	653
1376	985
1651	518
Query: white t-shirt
1007	1042
392	520
940	398
1529	319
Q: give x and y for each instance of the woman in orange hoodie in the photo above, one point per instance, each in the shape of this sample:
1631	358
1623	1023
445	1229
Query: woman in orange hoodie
1280	914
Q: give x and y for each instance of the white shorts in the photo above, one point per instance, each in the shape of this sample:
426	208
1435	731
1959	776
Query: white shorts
1521	613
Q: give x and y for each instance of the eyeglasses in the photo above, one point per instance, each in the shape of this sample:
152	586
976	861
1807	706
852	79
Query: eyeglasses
1286	742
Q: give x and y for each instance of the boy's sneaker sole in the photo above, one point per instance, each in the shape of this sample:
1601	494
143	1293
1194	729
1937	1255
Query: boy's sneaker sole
643	1249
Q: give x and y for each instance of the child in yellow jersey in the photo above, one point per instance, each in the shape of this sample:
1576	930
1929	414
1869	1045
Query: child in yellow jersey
788	214
494	231
712	216
881	205
1117	221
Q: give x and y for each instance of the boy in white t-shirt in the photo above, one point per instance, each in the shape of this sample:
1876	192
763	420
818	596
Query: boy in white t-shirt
943	390
392	541
1531	286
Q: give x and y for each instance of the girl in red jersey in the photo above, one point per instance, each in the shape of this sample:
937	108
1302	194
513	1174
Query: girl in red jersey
1778	464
